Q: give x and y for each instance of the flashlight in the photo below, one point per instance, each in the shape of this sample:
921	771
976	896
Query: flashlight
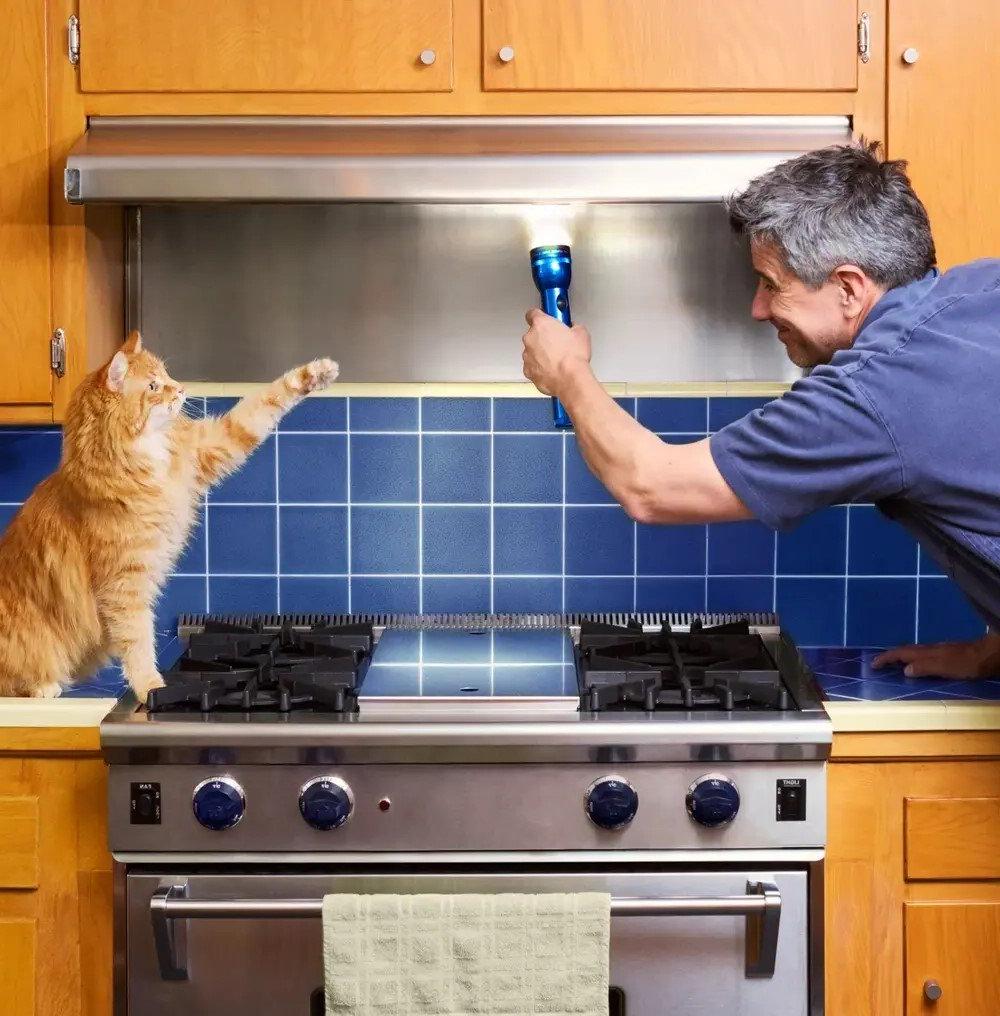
551	269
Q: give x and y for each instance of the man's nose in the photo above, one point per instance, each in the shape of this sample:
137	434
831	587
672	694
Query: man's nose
760	309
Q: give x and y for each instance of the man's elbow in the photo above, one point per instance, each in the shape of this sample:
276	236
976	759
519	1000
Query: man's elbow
642	503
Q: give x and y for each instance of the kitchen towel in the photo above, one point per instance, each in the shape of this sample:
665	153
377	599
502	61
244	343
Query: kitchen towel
467	955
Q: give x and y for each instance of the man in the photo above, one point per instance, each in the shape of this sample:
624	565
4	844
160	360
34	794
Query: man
897	409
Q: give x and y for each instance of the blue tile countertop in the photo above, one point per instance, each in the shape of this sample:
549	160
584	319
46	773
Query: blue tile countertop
844	673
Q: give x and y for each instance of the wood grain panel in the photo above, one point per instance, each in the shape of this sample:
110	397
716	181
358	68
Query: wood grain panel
942	117
96	923
18	842
265	45
24	207
726	45
17	967
865	886
956	945
953	838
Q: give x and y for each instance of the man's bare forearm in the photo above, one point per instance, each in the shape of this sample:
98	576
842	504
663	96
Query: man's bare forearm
653	480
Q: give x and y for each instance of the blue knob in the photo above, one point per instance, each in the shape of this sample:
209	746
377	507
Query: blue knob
326	802
713	800
612	802
218	803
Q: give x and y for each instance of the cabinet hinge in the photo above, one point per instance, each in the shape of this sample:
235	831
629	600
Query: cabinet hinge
57	353
73	39
865	37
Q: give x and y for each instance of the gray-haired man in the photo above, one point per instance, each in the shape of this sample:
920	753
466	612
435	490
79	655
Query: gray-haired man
897	408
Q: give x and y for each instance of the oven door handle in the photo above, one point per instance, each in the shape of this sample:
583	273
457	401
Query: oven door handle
170	908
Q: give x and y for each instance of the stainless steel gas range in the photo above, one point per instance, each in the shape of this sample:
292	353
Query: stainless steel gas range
674	761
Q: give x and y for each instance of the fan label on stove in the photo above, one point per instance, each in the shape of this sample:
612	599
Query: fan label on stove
144	804
791	801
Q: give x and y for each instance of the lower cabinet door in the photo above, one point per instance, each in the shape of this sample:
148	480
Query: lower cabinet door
951	959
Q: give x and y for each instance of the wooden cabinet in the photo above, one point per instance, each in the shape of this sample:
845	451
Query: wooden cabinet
266	46
912	886
25	377
636	45
951	959
943	67
55	877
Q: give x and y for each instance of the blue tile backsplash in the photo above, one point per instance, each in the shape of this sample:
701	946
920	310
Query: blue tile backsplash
478	504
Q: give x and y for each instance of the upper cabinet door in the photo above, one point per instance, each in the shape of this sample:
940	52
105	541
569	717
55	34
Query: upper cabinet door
944	65
25	289
266	46
670	45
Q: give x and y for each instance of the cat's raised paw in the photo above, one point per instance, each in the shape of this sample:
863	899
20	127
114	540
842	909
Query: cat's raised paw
319	374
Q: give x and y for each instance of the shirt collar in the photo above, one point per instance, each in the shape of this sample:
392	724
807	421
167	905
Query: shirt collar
899	296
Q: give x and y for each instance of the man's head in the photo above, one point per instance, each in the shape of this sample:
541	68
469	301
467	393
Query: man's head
829	233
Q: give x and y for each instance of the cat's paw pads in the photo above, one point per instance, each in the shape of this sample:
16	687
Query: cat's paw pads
144	685
319	374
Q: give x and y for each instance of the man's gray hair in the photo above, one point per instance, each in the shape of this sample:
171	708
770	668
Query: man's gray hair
835	206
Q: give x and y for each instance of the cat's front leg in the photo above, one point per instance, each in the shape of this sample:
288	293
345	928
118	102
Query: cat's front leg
224	443
133	642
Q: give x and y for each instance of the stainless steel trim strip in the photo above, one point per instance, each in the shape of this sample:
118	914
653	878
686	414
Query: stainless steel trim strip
267	160
761	906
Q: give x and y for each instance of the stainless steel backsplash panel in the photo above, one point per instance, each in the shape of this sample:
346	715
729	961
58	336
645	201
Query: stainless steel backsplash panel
407	292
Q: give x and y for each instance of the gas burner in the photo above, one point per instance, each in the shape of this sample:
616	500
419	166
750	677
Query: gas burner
244	668
725	667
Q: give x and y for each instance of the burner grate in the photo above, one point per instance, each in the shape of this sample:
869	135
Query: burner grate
244	667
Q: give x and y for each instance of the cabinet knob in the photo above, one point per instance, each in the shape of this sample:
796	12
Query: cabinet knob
911	55
427	57
932	991
506	54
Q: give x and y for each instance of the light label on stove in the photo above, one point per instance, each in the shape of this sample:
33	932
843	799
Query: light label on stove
790	801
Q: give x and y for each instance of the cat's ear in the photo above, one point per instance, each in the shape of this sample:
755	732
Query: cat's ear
133	344
117	370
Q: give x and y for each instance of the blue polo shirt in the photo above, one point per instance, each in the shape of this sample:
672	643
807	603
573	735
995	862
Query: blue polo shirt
905	418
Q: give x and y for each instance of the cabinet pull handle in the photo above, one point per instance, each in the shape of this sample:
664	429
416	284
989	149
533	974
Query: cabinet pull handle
506	54
932	991
427	57
911	55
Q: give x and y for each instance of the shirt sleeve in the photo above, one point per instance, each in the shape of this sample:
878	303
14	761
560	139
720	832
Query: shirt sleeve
822	443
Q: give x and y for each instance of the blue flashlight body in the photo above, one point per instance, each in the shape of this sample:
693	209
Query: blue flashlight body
552	269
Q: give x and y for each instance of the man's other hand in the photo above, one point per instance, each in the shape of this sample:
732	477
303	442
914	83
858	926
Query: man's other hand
947	659
552	352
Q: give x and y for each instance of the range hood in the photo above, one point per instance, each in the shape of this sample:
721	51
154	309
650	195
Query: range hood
137	161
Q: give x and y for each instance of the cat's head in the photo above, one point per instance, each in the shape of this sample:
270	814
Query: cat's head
145	397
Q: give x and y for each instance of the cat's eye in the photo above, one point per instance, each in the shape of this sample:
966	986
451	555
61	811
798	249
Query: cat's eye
154	386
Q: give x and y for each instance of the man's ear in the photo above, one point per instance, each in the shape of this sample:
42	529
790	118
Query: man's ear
133	344
117	370
855	287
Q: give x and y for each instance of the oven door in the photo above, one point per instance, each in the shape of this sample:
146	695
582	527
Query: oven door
201	944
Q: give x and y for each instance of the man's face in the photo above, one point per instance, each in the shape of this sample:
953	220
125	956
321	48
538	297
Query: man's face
811	323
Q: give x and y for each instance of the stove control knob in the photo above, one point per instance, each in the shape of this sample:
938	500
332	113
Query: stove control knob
219	803
713	800
612	802
326	802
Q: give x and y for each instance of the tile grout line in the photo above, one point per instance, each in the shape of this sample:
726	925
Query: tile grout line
492	521
420	511
847	565
277	527
708	419
562	548
350	559
916	604
208	570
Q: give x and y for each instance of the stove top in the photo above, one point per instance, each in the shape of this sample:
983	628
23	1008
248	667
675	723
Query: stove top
348	666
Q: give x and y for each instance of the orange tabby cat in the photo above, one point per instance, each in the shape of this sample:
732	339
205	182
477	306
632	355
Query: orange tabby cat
83	561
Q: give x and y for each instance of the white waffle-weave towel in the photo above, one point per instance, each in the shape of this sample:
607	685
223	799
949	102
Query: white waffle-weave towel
467	955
